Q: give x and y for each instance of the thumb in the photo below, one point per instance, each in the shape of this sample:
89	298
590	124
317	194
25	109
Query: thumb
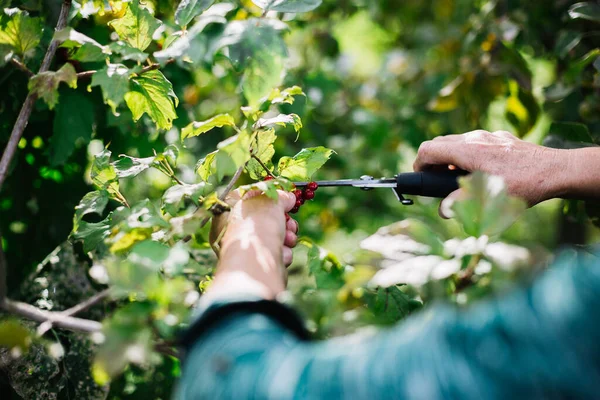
445	210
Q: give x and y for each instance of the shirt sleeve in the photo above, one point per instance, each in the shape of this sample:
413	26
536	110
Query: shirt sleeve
539	341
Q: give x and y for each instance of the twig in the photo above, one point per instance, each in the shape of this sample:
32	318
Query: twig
22	67
166	349
92	301
57	319
151	67
3	270
263	165
27	107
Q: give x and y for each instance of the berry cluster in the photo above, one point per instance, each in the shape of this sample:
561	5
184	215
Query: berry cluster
302	195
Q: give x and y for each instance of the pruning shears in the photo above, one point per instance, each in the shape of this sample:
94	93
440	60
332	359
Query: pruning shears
427	183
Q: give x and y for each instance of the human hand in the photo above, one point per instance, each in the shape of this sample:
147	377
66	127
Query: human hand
260	217
534	173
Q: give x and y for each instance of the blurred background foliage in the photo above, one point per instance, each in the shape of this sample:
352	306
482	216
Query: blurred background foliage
380	77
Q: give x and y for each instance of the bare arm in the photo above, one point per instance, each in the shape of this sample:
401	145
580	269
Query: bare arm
532	172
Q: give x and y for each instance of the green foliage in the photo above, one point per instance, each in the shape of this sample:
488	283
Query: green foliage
45	84
20	32
379	80
152	93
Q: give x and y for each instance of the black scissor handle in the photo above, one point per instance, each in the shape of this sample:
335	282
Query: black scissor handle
429	183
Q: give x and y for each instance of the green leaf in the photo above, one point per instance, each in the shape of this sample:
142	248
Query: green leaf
322	265
522	109
70	38
204	166
128	167
269	188
289	6
285	96
589	11
20	31
304	164
575	69
137	26
104	175
152	93
189	9
91	233
233	153
6	53
281	120
174	197
568	135
485	208
128	52
264	151
73	126
92	203
154	256
90	53
45	84
198	128
113	79
144	215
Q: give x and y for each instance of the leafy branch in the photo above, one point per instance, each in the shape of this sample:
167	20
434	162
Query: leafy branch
148	68
262	164
27	108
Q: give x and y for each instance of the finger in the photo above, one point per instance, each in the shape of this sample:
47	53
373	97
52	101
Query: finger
290	239
445	210
287	200
292	225
436	152
288	256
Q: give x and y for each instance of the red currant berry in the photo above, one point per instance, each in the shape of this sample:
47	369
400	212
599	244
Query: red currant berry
298	194
309	194
299	202
312	186
287	217
294	210
268	178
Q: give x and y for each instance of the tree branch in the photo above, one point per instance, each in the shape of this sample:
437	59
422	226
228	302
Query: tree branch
262	164
57	319
92	301
3	270
21	66
27	107
151	67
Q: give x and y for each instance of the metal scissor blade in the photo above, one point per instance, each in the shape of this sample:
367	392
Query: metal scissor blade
359	183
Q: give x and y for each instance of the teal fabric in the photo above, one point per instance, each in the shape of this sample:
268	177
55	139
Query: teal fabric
540	341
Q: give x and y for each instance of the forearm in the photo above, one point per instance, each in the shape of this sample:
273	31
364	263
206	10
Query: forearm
581	176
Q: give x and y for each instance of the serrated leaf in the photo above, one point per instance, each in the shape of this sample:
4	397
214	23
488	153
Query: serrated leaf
128	52
129	167
104	175
281	120
304	164
174	197
588	10
152	93
91	233
289	6
45	84
198	128
20	31
92	203
113	79
70	38
137	26
73	125
189	9
263	150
